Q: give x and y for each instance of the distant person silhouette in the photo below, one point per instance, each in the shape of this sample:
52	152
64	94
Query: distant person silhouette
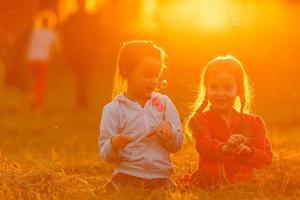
80	37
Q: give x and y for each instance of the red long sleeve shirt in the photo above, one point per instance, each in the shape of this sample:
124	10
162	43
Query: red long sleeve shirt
211	132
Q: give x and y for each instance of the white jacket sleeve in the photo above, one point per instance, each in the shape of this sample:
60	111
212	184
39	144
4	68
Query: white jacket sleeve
171	116
108	128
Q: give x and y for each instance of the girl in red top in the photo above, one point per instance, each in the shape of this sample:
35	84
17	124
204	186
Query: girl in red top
230	141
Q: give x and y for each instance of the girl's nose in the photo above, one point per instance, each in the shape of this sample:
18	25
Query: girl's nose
220	93
155	82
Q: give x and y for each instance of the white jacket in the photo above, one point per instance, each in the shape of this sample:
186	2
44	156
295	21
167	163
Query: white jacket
145	157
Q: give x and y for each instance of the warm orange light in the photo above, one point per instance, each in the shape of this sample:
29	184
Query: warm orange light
66	7
213	14
210	16
205	15
92	6
149	12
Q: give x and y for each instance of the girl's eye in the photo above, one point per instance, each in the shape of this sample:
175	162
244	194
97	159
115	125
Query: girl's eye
228	87
150	75
213	87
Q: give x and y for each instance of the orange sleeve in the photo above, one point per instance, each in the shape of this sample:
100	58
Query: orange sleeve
261	148
206	145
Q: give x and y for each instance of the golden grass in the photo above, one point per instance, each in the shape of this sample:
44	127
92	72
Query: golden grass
54	155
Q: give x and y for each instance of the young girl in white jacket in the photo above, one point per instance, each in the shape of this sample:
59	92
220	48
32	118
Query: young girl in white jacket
139	127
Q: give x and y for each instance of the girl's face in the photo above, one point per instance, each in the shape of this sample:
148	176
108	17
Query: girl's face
222	90
143	80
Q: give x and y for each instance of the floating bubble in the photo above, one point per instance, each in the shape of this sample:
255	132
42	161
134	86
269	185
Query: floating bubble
163	84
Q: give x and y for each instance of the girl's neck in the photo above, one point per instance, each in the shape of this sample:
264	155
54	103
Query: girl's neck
135	98
226	115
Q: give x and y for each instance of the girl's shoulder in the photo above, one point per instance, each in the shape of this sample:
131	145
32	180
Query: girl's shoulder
254	119
200	119
211	116
115	104
111	107
253	116
158	98
205	116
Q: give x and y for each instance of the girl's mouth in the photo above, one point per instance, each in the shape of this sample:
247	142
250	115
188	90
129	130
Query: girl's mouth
150	89
220	101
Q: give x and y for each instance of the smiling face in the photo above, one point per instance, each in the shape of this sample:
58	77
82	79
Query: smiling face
222	90
143	80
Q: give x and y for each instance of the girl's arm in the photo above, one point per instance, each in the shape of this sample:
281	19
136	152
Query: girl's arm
171	116
108	128
206	145
261	155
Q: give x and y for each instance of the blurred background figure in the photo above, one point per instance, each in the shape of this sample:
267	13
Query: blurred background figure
263	34
16	21
81	47
41	45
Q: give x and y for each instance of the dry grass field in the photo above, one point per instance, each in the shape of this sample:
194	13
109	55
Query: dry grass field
54	155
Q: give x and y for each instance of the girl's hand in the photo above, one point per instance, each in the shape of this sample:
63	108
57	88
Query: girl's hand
243	149
120	141
233	143
163	131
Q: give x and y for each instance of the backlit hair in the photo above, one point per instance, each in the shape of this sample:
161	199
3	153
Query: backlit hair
130	55
232	66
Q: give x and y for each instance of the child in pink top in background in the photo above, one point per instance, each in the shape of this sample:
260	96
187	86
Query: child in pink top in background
41	44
